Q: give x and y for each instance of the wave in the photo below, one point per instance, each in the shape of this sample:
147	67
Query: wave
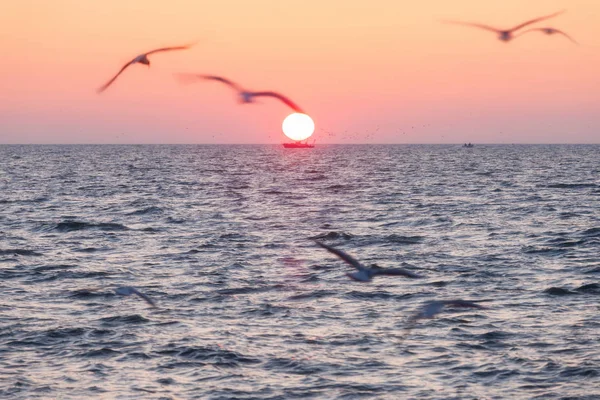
53	267
216	356
66	274
586	372
124	320
400	239
64	333
317	294
19	252
86	294
572	185
544	250
146	211
592	232
355	295
563	242
589	288
244	290
291	366
71	226
558	291
333	235
103	352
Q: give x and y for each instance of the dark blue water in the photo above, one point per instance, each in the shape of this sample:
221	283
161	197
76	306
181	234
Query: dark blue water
251	308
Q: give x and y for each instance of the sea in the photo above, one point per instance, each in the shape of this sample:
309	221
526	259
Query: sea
222	239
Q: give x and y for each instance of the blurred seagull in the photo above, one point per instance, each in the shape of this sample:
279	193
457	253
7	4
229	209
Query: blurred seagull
549	31
141	59
365	274
432	308
245	96
128	291
508	34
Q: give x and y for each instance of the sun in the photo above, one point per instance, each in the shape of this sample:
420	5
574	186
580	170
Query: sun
298	126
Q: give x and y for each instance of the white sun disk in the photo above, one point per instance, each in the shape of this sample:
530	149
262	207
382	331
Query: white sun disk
298	126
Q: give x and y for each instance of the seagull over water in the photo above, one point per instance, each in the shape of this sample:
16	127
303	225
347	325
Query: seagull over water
432	308
365	274
549	31
141	59
245	96
507	34
128	291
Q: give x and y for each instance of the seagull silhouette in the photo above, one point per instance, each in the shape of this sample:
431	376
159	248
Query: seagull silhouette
141	59
245	96
128	291
365	274
507	34
549	31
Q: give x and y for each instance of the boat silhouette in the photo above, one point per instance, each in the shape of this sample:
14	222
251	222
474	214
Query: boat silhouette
299	145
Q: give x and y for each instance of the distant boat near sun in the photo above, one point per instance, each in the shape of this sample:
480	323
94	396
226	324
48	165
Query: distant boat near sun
299	145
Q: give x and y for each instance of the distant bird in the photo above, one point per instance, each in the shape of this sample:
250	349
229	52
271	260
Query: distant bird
508	34
549	31
365	274
141	59
432	308
128	291
245	96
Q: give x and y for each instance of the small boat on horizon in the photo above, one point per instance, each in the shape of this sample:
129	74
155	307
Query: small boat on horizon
468	145
299	145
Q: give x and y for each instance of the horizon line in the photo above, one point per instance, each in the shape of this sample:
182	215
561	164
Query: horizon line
280	144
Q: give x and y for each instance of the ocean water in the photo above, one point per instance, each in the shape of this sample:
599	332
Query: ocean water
250	308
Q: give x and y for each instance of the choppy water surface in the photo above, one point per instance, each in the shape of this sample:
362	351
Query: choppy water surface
250	308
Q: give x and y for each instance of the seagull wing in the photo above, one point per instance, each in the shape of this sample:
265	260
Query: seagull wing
107	84
553	30
124	290
474	24
396	271
427	310
229	83
565	35
143	296
432	308
185	47
281	97
535	20
345	257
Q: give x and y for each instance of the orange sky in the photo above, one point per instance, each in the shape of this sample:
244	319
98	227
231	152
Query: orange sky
369	71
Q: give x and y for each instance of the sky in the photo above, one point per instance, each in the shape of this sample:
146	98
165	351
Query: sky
366	71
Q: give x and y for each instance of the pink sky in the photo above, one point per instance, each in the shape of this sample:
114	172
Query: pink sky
361	67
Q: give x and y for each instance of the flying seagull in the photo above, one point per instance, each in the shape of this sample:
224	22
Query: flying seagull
128	291
550	31
432	308
141	59
245	96
365	274
508	34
